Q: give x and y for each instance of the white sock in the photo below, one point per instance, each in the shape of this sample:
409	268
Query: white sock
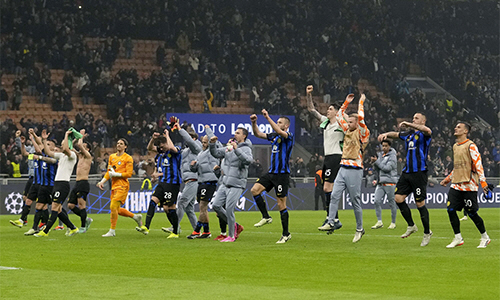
458	236
112	230
223	233
485	236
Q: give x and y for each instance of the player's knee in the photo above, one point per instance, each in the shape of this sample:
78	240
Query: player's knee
71	205
255	191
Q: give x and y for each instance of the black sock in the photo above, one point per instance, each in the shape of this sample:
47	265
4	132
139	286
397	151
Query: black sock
206	228
261	205
45	216
454	221
328	196
478	221
172	217
77	211
151	213
83	216
25	212
406	213
284	221
36	220
222	224
198	226
52	220
424	216
63	216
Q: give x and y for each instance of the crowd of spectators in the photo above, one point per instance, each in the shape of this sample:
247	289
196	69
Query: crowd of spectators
270	48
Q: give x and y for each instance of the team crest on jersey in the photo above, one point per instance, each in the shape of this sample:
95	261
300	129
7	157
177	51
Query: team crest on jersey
169	155
279	140
416	137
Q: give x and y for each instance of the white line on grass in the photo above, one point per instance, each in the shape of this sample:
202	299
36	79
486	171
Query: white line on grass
9	268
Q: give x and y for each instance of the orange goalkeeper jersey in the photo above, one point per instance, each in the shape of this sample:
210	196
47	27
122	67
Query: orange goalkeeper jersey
123	164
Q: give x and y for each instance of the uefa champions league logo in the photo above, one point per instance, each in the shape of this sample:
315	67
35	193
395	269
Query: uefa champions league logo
14	203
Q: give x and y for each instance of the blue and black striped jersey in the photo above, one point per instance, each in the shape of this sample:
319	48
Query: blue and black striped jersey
417	146
158	162
37	168
170	164
280	152
48	173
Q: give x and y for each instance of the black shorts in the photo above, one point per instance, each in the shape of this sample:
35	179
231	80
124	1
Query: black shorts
331	167
60	192
44	194
415	183
80	190
167	193
33	192
459	200
206	191
277	181
27	187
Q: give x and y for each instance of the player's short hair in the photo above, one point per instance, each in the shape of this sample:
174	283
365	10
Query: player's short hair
245	131
467	125
89	147
423	114
335	105
386	141
353	115
285	118
160	140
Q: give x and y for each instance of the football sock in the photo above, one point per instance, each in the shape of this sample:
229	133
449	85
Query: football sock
25	212
406	213
63	216
284	221
83	217
328	197
198	226
114	207
77	211
174	220
52	220
262	206
45	216
151	213
206	228
424	216
36	220
125	213
454	221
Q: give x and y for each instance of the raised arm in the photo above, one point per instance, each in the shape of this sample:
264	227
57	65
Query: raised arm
216	150
244	154
273	124
65	144
84	151
151	144
38	148
340	113
388	135
310	104
363	129
20	143
170	145
255	128
193	146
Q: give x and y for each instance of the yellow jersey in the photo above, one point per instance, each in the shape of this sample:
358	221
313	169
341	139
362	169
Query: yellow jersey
123	164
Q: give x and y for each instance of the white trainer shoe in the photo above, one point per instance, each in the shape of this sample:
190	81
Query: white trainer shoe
326	227
464	218
109	233
138	219
170	229
263	222
30	232
358	235
455	243
284	238
378	225
392	226
484	243
409	231
426	239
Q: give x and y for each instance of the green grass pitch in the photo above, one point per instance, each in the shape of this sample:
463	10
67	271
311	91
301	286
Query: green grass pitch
312	265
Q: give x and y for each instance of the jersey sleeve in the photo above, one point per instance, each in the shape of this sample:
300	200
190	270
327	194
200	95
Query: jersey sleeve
477	165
